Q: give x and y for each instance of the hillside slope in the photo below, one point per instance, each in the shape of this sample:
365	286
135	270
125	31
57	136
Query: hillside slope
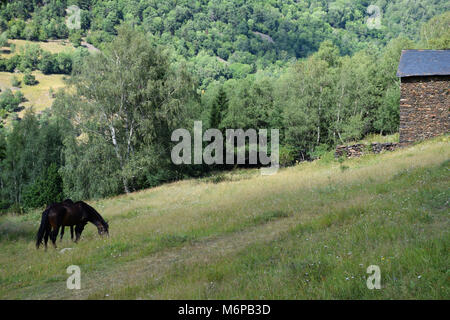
308	232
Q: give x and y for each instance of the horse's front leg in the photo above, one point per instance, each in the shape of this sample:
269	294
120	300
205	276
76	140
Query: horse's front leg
71	233
78	230
62	233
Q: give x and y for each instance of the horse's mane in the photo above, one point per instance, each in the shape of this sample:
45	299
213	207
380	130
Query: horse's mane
92	211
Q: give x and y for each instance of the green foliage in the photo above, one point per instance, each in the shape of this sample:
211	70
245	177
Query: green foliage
3	39
15	82
29	79
320	151
32	57
388	115
9	101
218	109
435	34
139	99
29	57
3	115
47	64
286	156
75	38
237	31
30	156
46	189
312	69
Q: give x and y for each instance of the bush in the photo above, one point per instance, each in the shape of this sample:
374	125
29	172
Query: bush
45	190
3	114
3	39
75	38
64	63
30	57
29	79
9	65
48	64
10	101
287	156
320	151
15	82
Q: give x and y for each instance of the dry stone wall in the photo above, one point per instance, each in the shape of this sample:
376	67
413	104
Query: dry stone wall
357	150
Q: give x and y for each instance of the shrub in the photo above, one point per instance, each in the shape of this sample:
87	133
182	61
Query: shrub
45	190
320	151
15	82
10	101
3	114
48	64
9	65
75	38
3	39
64	63
287	156
29	79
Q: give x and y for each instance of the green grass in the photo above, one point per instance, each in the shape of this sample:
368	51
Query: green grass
377	138
307	232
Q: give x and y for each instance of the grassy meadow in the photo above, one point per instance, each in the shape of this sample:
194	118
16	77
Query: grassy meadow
37	96
308	232
52	46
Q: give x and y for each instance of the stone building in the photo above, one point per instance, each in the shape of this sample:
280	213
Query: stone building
425	94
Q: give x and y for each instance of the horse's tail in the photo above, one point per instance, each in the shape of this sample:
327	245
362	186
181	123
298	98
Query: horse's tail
42	228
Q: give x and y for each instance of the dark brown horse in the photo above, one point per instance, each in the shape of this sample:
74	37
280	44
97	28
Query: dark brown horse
68	213
68	202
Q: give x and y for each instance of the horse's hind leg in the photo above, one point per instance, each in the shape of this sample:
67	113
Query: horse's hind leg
62	233
54	236
71	233
46	234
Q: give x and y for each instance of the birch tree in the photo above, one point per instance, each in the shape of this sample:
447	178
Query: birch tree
131	98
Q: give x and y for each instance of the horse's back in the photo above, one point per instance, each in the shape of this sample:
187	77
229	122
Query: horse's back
75	215
56	213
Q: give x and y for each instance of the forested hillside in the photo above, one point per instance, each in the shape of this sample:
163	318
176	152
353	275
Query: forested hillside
254	32
316	70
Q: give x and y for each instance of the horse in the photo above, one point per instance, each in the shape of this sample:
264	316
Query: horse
68	202
71	214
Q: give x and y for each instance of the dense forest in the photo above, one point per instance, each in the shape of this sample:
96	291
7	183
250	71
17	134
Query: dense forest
313	69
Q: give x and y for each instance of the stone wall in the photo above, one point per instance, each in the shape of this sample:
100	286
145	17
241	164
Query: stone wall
424	108
357	150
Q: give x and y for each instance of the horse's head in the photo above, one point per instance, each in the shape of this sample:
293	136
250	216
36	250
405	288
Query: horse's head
103	228
94	217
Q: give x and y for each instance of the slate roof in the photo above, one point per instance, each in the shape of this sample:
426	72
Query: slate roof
424	63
